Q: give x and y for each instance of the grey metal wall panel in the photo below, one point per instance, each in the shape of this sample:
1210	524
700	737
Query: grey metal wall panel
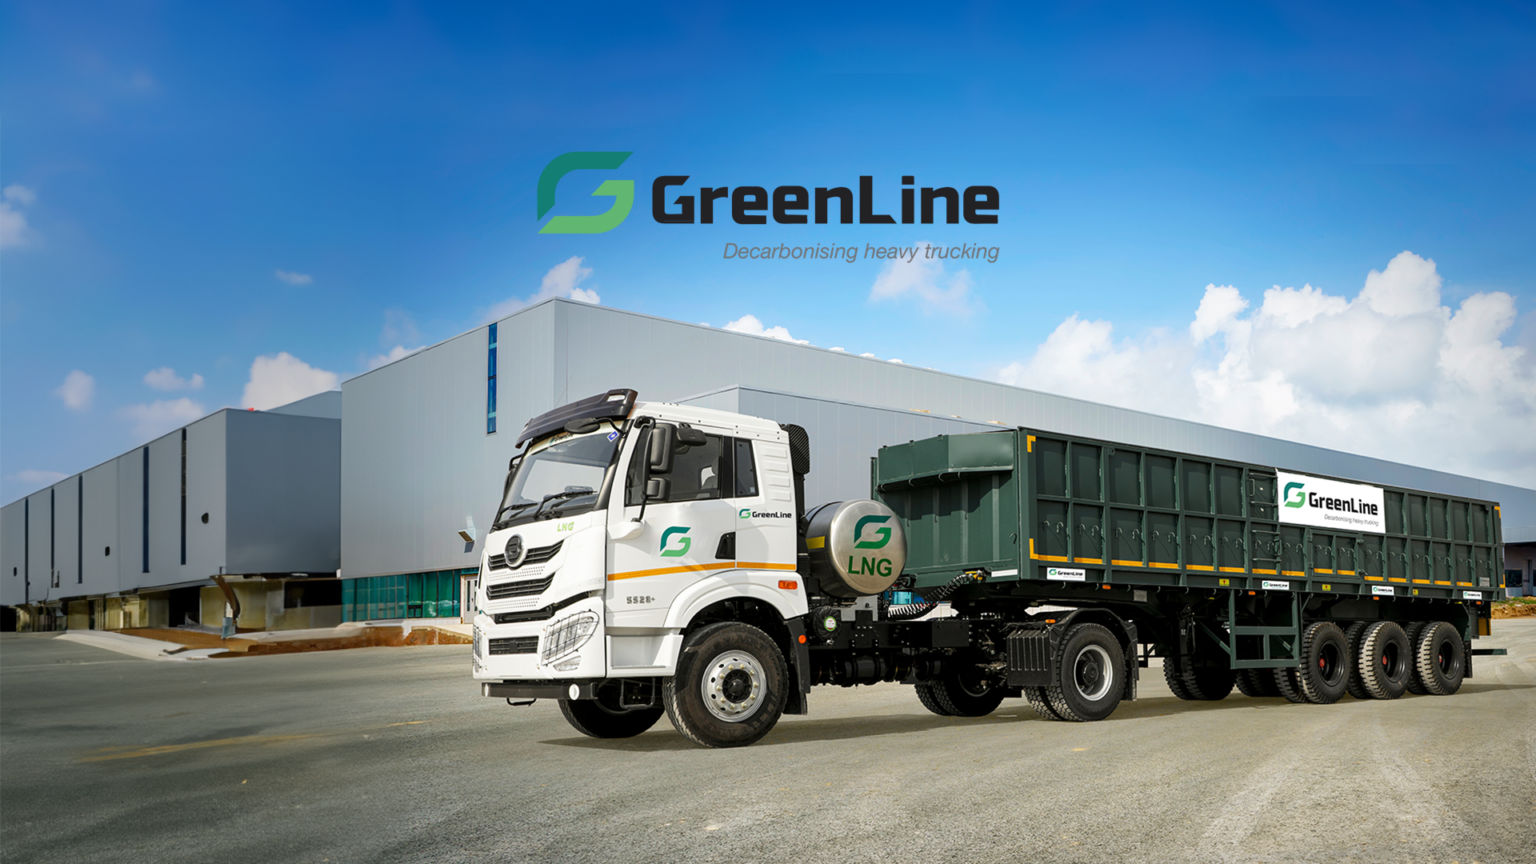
283	495
164	513
66	538
417	463
207	490
327	404
12	552
102	529
38	573
130	509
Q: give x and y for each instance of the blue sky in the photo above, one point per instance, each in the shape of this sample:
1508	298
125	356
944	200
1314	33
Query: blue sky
162	164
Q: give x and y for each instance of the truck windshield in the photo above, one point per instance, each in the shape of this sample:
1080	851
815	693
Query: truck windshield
560	475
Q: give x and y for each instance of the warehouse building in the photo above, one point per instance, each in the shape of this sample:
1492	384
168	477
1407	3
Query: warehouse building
416	461
254	496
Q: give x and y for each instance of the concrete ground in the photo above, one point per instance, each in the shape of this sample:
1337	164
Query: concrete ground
389	754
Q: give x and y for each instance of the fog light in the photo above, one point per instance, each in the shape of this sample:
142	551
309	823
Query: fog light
568	664
567	635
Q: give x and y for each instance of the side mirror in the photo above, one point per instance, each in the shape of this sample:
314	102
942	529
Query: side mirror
658	489
660	456
690	436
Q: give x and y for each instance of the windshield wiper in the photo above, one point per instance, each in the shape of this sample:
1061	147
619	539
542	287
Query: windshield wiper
511	509
557	496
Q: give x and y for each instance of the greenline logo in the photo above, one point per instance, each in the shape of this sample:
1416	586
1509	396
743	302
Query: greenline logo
621	191
1300	497
883	534
666	538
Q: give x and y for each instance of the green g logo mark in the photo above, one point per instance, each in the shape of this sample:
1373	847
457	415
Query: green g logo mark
622	192
882	535
683	545
1300	497
745	513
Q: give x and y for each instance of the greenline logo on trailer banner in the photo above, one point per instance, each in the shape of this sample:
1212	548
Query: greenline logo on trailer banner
752	205
1330	504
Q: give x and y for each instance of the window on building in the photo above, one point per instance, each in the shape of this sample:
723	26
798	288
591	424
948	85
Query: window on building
1514	578
490	384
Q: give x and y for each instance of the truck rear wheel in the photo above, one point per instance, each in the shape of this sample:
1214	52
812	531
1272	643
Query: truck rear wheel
1040	700
928	694
964	691
729	688
1325	663
1385	661
1442	659
593	719
1091	675
1354	634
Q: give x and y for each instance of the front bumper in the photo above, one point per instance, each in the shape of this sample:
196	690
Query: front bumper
516	652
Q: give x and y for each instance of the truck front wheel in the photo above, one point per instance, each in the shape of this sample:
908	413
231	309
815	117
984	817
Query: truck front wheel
1091	675
730	686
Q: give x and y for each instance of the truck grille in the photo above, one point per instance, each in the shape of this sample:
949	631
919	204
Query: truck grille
521	588
534	556
515	645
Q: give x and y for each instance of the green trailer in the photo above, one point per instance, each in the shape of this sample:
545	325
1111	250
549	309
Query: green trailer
1234	574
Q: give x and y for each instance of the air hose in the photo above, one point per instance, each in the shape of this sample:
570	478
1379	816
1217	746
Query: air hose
931	598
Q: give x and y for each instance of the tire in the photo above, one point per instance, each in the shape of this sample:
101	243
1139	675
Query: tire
1041	702
1325	663
1210	684
1413	630
963	692
1258	683
1442	659
1091	672
593	719
1175	679
1288	685
1385	661
928	695
1354	634
718	664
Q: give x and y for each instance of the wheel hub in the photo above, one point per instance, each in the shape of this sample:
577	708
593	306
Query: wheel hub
1092	673
732	686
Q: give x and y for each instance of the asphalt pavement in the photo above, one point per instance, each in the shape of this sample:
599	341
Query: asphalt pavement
390	754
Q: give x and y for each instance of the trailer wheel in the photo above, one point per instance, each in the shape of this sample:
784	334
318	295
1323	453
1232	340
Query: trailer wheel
1175	679
1354	634
963	691
593	719
928	695
1091	670
1442	659
1210	684
1385	661
730	686
1414	630
1257	683
1040	700
1288	685
1325	663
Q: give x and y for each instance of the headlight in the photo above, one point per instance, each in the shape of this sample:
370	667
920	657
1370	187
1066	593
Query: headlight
567	635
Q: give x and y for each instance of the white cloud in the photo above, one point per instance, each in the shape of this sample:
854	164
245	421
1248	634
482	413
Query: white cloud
390	356
1390	373
294	278
77	390
19	194
156	418
562	280
839	350
14	230
38	478
165	378
925	279
749	324
278	379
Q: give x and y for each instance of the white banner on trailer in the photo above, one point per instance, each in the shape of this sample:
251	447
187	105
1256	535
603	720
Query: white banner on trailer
1330	504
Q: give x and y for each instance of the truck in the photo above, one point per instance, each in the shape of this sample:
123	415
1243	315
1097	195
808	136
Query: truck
652	558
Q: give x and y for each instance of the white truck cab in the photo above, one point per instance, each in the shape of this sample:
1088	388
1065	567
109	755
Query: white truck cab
621	525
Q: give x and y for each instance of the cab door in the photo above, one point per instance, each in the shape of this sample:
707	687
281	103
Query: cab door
683	529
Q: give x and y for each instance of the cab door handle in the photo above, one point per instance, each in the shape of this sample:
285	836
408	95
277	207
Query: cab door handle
726	550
